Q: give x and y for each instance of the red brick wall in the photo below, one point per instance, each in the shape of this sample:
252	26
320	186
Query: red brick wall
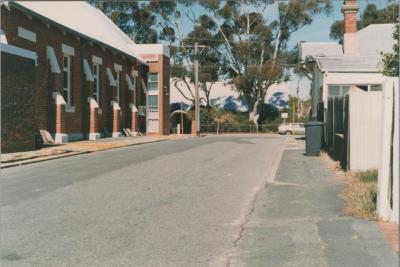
17	108
162	67
46	83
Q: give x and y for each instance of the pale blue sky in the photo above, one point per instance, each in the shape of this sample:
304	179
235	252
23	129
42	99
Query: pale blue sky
318	31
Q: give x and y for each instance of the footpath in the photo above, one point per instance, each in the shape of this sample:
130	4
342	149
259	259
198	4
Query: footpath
298	220
76	148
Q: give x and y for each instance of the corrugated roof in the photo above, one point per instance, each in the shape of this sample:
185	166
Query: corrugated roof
82	18
349	64
314	49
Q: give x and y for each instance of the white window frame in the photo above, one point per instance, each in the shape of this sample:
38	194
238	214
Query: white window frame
150	82
117	86
96	85
68	88
27	34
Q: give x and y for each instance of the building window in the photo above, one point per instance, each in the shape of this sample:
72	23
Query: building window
117	87
376	88
153	101
67	79
96	83
338	90
153	81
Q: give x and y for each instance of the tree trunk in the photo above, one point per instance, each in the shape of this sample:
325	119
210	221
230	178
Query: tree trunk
253	115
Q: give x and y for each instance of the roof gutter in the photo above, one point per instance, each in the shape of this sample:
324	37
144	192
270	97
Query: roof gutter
53	23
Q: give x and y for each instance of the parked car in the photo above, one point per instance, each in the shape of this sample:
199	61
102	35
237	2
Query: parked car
291	128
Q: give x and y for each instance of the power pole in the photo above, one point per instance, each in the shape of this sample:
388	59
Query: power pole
196	88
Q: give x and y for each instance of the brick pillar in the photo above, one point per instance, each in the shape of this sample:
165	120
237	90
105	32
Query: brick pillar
60	137
93	128
350	42
116	119
134	122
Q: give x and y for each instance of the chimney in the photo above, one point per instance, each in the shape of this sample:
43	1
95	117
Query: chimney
350	41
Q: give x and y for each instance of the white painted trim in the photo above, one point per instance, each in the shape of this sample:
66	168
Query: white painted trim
69	50
116	134
144	86
111	77
58	99
69	109
94	136
133	108
115	105
3	37
27	34
10	49
117	67
97	60
92	102
134	73
51	55
60	138
87	71
131	87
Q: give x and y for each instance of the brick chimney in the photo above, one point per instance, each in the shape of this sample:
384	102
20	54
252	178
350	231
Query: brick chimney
350	41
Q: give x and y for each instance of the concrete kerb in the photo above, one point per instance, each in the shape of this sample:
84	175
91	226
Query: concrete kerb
31	161
268	178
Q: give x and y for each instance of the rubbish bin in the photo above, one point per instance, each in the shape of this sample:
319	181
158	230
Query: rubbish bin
313	137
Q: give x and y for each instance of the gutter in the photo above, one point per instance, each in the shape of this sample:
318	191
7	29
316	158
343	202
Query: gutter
73	32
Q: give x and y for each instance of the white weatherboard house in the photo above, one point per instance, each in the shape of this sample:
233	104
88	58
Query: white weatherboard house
354	69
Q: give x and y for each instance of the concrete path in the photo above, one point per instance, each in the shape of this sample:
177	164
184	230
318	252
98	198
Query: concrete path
297	221
173	203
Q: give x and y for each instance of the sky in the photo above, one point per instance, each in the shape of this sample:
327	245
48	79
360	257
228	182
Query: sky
317	31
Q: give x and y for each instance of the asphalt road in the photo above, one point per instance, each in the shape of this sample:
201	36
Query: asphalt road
173	203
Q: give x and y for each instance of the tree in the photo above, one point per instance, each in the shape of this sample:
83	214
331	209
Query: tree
143	22
371	15
208	58
254	51
391	60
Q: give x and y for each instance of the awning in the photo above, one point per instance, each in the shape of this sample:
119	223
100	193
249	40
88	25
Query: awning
111	77
144	86
51	56
86	69
131	85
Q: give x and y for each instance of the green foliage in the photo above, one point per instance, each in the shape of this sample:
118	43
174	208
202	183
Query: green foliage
141	20
391	60
368	176
370	15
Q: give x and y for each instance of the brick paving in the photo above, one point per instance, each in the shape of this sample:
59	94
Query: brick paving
391	232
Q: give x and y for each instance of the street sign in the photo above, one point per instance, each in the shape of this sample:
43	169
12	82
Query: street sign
284	115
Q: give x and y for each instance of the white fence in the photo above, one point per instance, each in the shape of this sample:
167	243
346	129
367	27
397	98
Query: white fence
365	115
388	180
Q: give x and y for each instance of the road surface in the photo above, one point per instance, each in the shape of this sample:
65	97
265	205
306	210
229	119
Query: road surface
173	203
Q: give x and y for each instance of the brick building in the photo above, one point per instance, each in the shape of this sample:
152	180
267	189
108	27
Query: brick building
90	78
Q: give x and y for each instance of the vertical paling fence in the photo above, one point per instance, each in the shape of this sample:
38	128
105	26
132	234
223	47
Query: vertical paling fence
337	129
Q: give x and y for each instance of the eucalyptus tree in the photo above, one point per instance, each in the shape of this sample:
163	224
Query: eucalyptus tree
142	21
253	48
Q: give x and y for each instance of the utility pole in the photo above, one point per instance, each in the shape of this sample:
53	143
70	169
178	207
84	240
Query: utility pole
182	116
196	87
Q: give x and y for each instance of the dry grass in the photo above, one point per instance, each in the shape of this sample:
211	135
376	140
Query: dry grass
360	197
360	190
